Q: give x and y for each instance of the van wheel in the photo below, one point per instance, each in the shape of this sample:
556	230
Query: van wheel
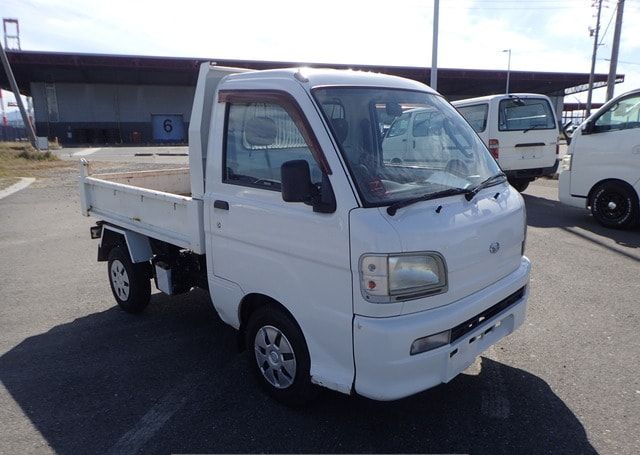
614	205
280	361
519	184
130	283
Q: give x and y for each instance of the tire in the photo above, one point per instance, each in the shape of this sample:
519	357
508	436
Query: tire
519	184
279	356
614	205
130	283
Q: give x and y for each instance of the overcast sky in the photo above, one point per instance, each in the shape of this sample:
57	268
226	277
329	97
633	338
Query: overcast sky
544	35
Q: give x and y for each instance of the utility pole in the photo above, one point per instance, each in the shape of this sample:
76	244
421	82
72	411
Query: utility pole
434	50
14	87
508	69
611	80
593	59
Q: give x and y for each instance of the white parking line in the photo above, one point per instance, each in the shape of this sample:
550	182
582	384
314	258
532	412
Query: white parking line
21	185
86	152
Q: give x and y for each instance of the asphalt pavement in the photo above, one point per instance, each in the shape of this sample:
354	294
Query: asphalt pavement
80	376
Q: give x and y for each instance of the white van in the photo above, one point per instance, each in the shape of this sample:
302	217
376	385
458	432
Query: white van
520	130
601	169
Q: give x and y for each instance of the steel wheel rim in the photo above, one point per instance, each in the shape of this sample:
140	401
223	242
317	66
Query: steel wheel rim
275	357
119	279
614	206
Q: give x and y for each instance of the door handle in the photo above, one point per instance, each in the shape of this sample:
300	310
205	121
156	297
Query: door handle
222	205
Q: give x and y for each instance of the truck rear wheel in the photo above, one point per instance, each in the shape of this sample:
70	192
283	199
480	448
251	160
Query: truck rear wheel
130	283
280	358
614	205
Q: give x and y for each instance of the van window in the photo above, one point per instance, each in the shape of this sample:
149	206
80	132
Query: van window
516	114
622	115
476	115
260	138
399	126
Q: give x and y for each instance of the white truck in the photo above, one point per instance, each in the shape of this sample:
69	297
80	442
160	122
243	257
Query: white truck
337	268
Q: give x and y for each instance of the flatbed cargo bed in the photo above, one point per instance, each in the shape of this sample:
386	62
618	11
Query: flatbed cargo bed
154	203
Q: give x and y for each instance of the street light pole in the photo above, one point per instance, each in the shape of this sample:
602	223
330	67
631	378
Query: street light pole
508	69
434	49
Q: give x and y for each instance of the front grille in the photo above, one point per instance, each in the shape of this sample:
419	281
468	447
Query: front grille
467	326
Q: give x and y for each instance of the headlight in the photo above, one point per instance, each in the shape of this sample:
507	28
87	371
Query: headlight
566	162
390	278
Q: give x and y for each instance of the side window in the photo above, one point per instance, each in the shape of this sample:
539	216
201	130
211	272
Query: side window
622	115
476	116
260	138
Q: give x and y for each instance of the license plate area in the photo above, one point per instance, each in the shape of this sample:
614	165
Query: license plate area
463	353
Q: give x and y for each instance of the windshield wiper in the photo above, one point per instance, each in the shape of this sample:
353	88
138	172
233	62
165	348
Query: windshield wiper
471	193
393	208
534	127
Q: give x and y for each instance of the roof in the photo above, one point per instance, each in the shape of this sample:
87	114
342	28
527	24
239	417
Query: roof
318	77
481	99
455	83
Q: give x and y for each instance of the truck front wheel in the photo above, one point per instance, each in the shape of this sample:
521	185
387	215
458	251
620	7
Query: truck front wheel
280	358
130	283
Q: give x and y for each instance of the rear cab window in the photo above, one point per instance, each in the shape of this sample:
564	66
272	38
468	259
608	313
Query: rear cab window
523	114
475	115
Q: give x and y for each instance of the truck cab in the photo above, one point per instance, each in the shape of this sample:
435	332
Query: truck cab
338	266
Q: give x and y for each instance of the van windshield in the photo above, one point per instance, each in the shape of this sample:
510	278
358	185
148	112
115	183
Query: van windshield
402	144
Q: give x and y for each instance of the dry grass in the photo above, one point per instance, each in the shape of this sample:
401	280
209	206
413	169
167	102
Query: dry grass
19	159
6	182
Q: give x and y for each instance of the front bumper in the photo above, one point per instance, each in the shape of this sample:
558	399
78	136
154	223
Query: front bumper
564	192
386	371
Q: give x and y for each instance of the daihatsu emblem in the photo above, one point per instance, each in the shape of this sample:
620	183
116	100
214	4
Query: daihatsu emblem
494	247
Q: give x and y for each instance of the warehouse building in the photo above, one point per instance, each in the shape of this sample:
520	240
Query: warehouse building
114	99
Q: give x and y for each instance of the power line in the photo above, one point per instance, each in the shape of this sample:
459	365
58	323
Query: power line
608	24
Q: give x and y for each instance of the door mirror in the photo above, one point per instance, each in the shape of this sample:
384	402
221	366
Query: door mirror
296	181
296	186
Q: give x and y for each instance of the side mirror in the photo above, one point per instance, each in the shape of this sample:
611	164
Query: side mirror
588	127
296	183
296	186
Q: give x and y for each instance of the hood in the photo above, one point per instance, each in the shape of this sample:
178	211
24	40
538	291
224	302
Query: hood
480	240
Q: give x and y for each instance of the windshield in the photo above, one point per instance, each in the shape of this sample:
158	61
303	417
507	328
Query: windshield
401	144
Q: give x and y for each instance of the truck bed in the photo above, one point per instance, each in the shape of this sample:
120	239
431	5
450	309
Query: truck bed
155	203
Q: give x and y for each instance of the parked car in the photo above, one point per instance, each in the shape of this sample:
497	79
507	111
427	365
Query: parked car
601	170
336	267
520	130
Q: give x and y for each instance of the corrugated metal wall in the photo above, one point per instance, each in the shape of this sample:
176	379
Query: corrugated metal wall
105	113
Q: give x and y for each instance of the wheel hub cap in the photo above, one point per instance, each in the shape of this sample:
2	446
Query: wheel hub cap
612	205
275	357
119	279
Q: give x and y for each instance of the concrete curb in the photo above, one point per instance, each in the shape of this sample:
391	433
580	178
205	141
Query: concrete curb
21	185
